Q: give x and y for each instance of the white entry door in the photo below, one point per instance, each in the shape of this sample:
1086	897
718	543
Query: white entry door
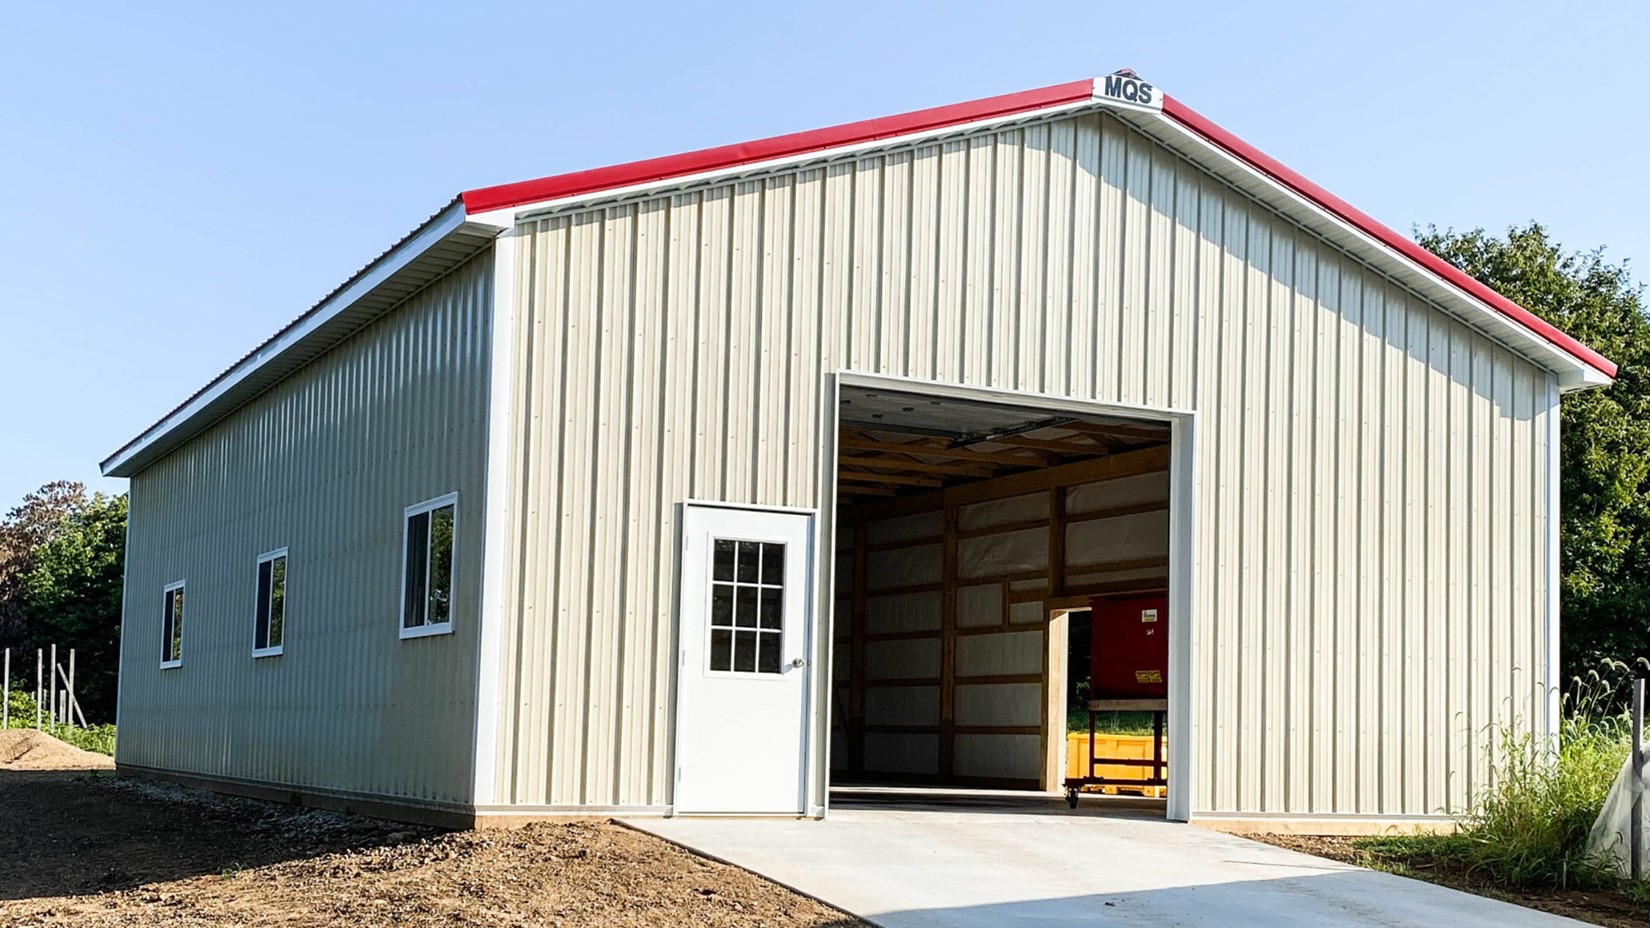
741	698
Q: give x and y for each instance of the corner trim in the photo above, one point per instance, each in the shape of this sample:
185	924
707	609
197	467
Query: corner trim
495	517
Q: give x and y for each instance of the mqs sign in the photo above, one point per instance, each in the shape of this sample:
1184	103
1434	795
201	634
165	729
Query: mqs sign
1127	88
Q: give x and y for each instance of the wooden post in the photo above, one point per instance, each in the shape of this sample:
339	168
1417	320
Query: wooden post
856	652
73	702
5	695
51	686
948	644
39	684
1056	644
1635	851
1056	542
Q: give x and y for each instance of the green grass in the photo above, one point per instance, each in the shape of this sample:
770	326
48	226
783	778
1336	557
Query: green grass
1528	828
1110	723
98	738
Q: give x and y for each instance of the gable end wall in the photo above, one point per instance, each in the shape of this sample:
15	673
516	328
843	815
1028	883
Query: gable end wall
1372	544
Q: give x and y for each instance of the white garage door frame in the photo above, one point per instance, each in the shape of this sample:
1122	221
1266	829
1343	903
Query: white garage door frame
1182	547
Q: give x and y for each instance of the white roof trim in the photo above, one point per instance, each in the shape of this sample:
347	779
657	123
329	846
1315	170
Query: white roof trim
440	228
1573	373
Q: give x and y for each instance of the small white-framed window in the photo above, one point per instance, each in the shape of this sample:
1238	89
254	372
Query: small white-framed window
427	567
269	613
171	626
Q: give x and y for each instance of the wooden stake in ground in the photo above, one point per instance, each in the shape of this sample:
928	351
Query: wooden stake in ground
68	704
5	695
39	683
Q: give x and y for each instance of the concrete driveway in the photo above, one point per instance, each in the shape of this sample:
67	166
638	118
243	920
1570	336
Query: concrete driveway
984	860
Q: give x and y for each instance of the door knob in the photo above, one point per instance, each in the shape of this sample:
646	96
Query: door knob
798	662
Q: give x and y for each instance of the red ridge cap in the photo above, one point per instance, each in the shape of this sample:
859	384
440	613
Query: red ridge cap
1274	169
779	146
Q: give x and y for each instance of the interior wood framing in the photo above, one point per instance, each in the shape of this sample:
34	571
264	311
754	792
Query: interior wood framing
1056	593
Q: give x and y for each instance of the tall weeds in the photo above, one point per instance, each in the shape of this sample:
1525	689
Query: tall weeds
1528	827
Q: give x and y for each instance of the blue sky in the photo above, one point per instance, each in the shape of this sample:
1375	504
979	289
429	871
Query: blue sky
182	180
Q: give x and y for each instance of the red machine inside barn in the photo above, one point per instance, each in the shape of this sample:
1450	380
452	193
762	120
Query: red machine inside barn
1129	672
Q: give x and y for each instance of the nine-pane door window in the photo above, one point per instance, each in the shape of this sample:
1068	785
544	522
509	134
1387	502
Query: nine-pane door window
747	606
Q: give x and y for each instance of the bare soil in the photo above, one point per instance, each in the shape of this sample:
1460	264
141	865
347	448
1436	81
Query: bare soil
1611	909
89	850
27	749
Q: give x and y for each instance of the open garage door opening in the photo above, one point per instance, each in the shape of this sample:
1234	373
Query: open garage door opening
998	566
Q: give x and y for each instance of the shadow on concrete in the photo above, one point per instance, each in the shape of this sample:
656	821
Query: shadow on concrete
1348	899
68	833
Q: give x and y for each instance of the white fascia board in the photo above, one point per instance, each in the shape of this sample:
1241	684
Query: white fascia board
436	230
1573	373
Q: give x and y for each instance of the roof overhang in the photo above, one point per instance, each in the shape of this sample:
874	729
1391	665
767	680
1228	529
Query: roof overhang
476	217
1187	132
441	244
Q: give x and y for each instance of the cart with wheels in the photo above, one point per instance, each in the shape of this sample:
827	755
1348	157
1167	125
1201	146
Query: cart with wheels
1129	650
1156	764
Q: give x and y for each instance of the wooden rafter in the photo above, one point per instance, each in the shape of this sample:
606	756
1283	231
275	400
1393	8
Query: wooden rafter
1055	445
984	457
922	467
897	479
1148	433
864	491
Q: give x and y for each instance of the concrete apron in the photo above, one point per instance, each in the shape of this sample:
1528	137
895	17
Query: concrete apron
960	865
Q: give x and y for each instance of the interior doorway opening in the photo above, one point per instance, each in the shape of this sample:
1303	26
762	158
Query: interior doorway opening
972	537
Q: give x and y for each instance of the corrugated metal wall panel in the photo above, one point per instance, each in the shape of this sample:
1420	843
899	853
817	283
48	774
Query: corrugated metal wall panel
1371	586
323	464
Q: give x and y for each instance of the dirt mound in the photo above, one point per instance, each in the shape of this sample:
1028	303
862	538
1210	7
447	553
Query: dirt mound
105	852
27	749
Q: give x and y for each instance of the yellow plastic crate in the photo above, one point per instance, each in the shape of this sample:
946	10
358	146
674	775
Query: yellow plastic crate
1077	761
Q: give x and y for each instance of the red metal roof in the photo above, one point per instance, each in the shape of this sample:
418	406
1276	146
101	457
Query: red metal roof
819	140
780	146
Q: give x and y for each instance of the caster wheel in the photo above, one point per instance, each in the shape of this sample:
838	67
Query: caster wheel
1071	798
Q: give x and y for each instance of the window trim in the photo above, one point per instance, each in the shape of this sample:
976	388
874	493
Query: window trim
165	662
427	629
257	568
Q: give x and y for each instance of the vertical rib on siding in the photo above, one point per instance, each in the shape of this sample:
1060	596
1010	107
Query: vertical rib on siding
324	464
1371	555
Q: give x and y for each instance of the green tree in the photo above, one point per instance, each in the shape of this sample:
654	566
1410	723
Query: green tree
1605	530
71	595
23	530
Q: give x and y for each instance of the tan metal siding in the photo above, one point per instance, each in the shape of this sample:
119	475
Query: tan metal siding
1371	558
324	464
